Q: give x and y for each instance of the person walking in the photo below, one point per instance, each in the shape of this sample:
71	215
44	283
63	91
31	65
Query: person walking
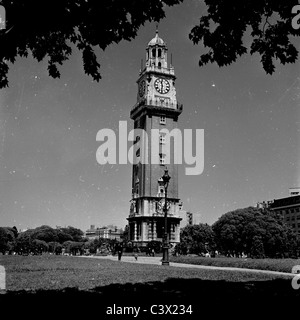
136	254
119	251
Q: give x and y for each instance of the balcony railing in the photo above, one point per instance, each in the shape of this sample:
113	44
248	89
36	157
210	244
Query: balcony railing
154	68
159	102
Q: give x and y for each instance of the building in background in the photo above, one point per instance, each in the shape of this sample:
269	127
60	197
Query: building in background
294	191
288	207
109	232
189	218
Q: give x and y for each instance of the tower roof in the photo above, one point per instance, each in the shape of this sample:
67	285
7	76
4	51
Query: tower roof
157	40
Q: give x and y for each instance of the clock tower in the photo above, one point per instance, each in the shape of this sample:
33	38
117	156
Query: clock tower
156	108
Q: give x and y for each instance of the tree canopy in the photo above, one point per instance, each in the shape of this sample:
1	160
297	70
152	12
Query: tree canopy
247	232
7	238
197	239
49	30
268	25
52	30
40	239
254	232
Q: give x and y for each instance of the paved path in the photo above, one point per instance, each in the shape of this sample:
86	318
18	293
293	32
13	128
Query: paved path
157	261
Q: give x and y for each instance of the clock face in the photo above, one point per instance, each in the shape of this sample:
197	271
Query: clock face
142	88
162	85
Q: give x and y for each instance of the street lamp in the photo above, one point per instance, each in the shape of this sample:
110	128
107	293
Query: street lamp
165	261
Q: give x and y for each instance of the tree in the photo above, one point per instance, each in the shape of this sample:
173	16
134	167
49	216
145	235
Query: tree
86	24
24	242
125	234
74	247
154	245
63	236
52	30
197	238
74	233
257	248
228	25
45	233
14	230
39	246
55	247
7	239
181	248
44	238
3	240
254	232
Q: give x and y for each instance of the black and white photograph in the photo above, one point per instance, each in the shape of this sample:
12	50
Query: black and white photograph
149	158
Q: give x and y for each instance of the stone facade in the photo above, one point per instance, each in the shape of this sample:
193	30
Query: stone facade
156	108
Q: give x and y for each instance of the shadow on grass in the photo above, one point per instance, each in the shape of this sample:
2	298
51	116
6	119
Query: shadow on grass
206	297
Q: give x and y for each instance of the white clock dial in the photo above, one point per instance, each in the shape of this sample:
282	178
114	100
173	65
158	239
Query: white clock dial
162	85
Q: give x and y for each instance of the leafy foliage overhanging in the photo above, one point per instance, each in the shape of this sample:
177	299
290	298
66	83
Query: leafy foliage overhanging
50	29
267	24
229	29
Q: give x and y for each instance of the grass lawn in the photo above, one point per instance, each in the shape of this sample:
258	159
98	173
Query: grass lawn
282	265
59	272
93	284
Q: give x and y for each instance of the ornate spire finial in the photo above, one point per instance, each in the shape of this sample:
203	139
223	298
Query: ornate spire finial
156	28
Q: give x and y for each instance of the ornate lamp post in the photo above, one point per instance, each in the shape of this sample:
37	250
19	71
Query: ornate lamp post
165	261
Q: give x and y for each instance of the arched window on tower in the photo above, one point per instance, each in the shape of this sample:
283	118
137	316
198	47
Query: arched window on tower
159	65
153	53
159	53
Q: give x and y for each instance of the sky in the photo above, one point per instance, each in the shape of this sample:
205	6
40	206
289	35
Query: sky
49	174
